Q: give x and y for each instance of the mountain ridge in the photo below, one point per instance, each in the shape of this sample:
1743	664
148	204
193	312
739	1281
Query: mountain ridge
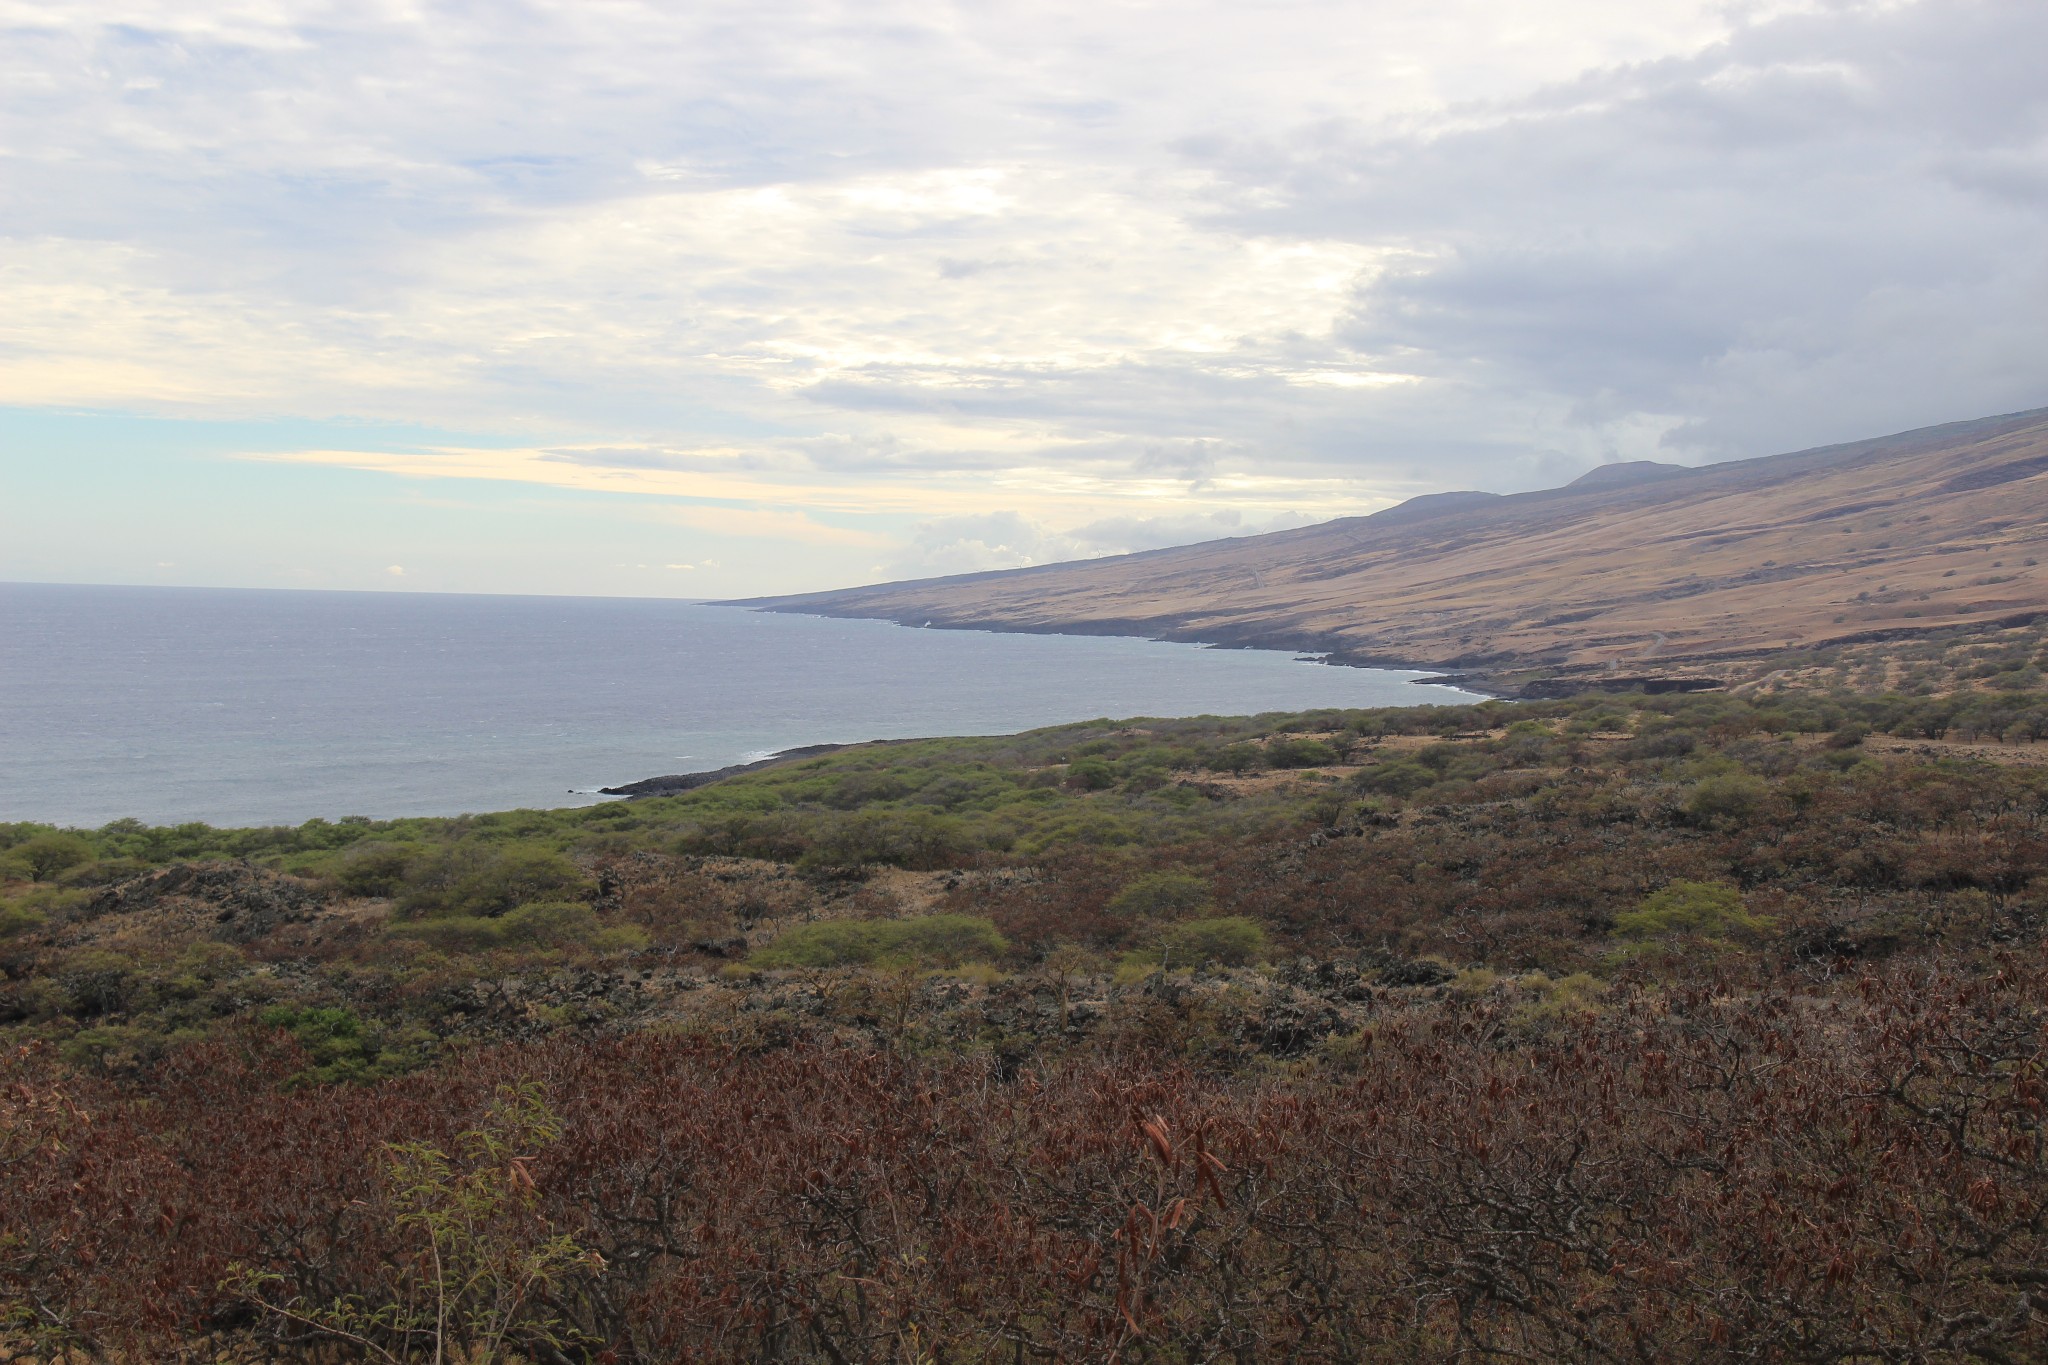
1918	530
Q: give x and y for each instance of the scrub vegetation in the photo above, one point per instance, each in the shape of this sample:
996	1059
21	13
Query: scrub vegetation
1700	1027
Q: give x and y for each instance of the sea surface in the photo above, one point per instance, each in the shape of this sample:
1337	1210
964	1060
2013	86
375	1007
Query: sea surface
243	707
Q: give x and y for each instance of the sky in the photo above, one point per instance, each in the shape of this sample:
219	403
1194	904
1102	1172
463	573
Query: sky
717	299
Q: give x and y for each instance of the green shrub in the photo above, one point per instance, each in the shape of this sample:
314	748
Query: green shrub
1300	753
1663	743
113	1048
866	787
1090	775
1234	758
483	882
540	924
920	839
1160	894
1546	1004
1399	778
1842	760
1691	909
313	1027
1091	826
567	924
929	941
16	918
1726	796
338	1044
42	857
201	967
374	868
1223	941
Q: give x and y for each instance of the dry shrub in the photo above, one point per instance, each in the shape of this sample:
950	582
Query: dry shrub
1689	1175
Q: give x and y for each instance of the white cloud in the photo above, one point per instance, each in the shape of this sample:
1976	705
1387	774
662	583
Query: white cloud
1012	540
1108	267
1797	235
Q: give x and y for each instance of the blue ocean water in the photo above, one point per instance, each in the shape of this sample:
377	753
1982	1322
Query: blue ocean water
241	707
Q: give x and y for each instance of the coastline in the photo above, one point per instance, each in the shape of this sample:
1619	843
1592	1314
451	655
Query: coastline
674	784
677	783
1498	679
1324	649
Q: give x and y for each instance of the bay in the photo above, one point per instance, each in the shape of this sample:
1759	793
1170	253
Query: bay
246	706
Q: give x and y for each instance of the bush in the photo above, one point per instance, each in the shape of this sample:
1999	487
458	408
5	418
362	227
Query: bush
102	872
96	982
918	839
1727	796
541	924
112	1049
1300	753
374	868
1234	758
484	1263
477	883
1691	909
1090	775
1400	778
1160	893
1550	1003
17	919
929	941
339	1046
1661	744
42	857
1223	941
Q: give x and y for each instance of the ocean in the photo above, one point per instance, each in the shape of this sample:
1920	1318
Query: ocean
246	707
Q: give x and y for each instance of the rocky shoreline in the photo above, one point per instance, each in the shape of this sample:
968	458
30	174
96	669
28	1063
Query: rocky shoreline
677	783
1504	677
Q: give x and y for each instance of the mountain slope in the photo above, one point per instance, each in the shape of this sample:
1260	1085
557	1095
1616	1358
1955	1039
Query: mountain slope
1936	527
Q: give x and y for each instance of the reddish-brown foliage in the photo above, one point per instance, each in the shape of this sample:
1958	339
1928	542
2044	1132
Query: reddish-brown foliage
1681	1178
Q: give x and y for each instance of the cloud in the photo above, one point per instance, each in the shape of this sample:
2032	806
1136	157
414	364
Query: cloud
1011	540
1831	224
995	269
769	523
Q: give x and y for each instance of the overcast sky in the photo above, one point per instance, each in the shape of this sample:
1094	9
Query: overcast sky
707	299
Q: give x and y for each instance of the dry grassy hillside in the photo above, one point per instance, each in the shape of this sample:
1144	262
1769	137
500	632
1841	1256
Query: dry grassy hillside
1632	570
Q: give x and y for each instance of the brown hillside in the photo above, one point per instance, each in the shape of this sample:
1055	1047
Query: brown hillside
1649	568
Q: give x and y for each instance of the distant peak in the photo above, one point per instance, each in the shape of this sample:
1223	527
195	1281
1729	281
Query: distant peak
1430	505
1625	472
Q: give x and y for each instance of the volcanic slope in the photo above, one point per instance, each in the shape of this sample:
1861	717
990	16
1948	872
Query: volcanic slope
1634	569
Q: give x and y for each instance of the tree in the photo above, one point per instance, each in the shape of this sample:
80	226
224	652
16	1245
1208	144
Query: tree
1160	893
44	856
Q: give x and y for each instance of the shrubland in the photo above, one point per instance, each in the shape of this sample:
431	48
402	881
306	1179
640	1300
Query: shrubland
1620	1027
